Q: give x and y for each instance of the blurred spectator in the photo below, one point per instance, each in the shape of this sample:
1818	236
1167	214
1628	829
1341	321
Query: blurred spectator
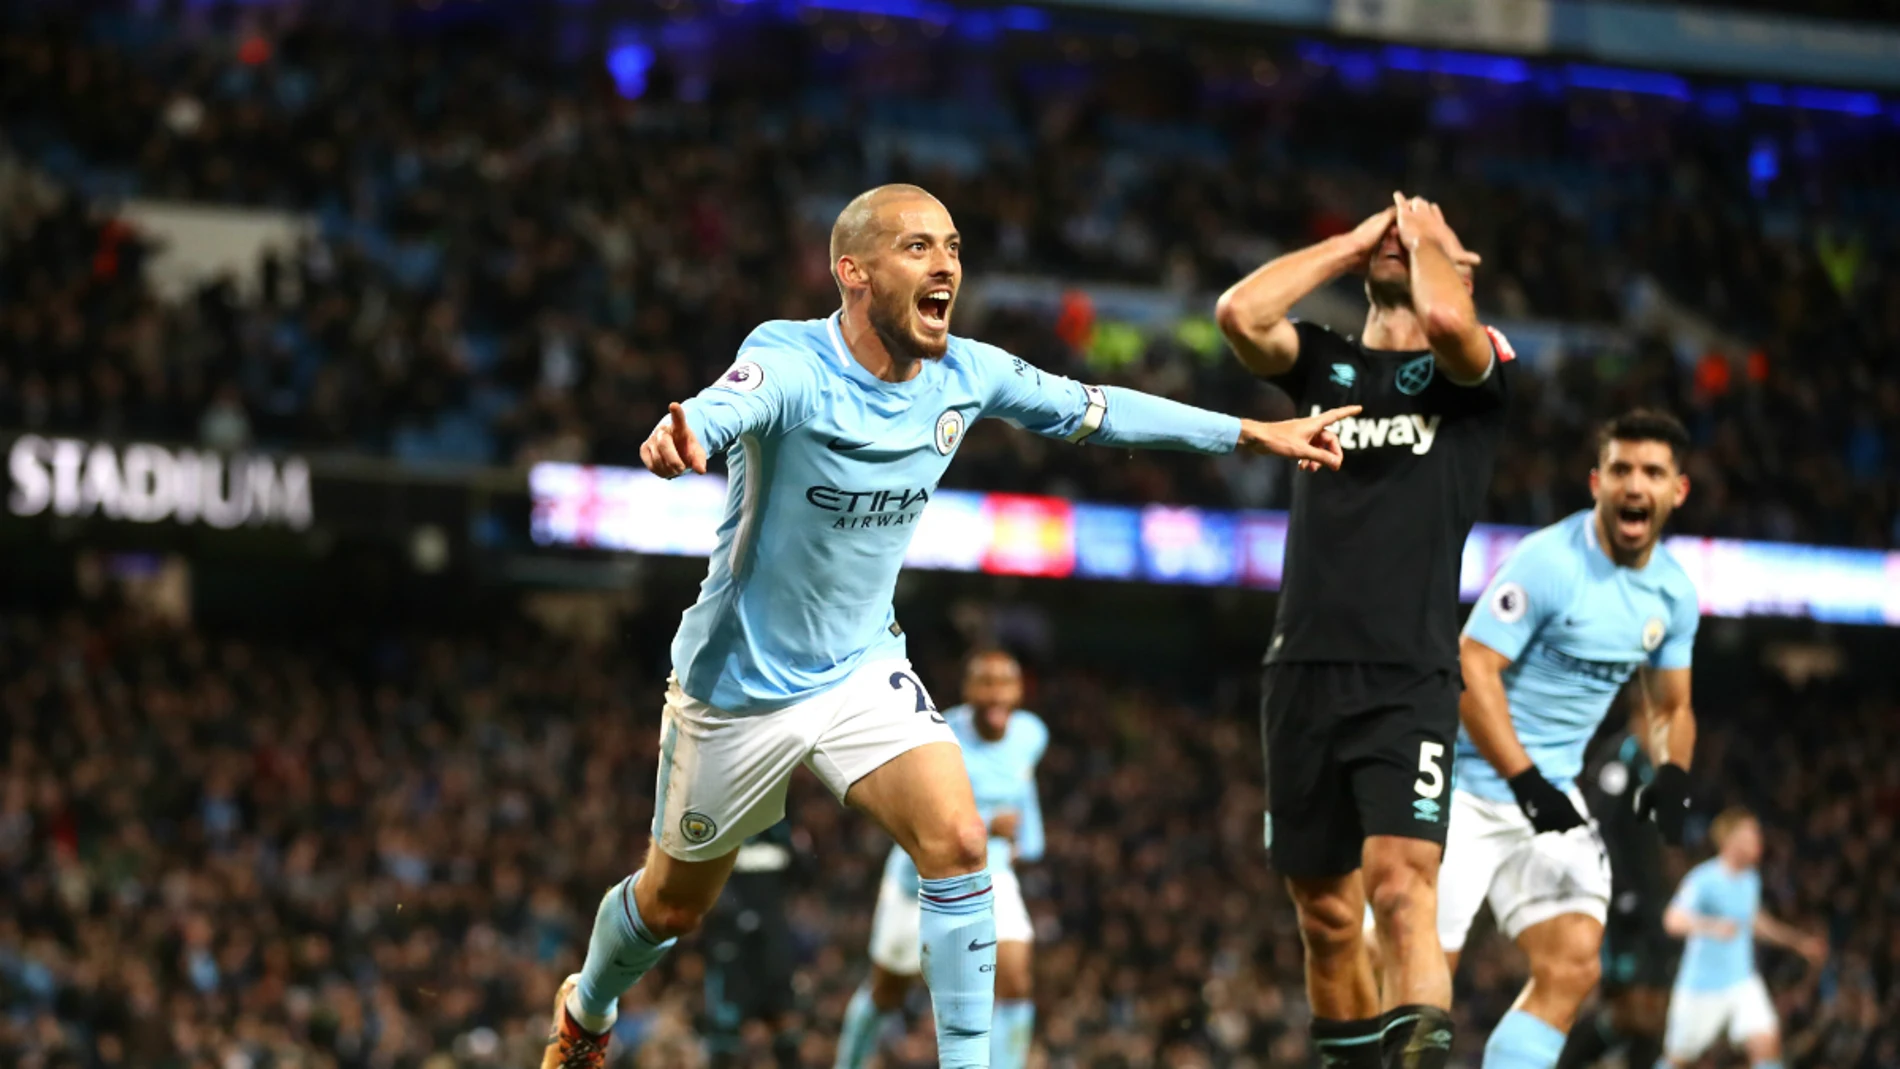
383	851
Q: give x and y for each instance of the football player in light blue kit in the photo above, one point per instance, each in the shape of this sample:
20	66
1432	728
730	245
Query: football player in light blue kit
1579	608
836	431
1001	746
1717	911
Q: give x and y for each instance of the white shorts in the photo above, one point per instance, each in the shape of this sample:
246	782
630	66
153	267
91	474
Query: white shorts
895	944
722	777
1492	853
1696	1018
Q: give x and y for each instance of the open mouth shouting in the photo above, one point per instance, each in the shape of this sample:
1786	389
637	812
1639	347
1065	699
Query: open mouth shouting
1632	522
933	309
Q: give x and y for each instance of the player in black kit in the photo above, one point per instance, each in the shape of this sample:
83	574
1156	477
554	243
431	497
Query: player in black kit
1362	681
1638	955
749	953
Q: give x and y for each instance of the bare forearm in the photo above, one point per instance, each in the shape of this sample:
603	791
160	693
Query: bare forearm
1672	737
1254	309
1443	306
1486	714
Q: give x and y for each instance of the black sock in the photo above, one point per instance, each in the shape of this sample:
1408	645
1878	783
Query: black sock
1589	1040
1644	1052
1416	1037
1348	1044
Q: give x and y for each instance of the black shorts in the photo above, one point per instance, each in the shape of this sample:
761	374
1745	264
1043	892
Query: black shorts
749	953
1355	750
1637	952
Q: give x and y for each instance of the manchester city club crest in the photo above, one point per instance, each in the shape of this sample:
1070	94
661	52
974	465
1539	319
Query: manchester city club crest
697	828
949	431
1415	375
1653	632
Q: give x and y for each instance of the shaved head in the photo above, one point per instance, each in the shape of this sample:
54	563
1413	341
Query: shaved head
862	223
894	256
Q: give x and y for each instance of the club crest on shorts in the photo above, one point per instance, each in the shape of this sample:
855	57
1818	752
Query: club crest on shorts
697	828
1415	375
1653	632
742	377
1509	603
949	430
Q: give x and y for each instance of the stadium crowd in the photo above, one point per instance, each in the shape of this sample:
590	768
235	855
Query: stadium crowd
382	852
515	262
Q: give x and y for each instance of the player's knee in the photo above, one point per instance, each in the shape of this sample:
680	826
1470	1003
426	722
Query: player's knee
1401	896
1328	926
670	918
959	847
1571	975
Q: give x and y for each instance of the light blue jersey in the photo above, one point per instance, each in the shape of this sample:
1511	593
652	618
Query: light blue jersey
1575	626
1712	889
829	468
1003	777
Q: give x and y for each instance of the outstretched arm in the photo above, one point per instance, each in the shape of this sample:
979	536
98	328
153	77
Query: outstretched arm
1059	407
1253	312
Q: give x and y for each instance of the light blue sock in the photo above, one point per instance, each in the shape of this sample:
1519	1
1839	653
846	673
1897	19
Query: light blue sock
958	932
1521	1041
857	1036
1010	1035
1773	1064
619	953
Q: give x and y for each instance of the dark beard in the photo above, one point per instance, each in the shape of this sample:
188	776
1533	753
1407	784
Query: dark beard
889	324
1389	293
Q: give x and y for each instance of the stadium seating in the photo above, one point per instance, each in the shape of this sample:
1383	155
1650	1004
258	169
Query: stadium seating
503	275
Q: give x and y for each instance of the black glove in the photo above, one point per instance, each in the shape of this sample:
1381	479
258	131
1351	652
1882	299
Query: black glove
1548	808
1664	802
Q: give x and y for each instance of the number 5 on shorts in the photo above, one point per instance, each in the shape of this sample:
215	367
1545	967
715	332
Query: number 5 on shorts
1431	783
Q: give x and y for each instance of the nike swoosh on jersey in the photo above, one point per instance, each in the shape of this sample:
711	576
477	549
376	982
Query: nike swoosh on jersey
974	945
839	445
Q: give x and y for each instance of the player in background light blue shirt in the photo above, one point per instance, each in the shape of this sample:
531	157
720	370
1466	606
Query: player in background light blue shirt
1578	609
1002	745
836	432
1717	912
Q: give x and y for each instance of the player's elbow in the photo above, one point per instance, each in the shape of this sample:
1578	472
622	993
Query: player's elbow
1447	323
1678	923
1251	334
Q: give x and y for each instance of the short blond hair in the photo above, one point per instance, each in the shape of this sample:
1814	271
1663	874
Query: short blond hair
1727	821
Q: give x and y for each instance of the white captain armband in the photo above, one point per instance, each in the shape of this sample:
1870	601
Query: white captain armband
1091	419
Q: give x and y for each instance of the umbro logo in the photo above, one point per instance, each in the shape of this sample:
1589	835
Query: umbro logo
840	445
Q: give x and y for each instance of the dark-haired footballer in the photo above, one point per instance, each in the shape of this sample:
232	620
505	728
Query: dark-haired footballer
1578	609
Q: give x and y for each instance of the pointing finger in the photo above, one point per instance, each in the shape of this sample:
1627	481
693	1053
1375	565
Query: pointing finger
1334	415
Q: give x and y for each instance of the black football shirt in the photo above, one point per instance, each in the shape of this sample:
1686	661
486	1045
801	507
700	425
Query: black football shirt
1373	551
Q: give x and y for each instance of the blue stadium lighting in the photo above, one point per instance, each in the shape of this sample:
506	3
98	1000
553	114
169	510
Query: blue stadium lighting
1507	70
914	10
1024	19
1720	103
1358	69
1840	100
628	63
1764	163
1621	80
1766	95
